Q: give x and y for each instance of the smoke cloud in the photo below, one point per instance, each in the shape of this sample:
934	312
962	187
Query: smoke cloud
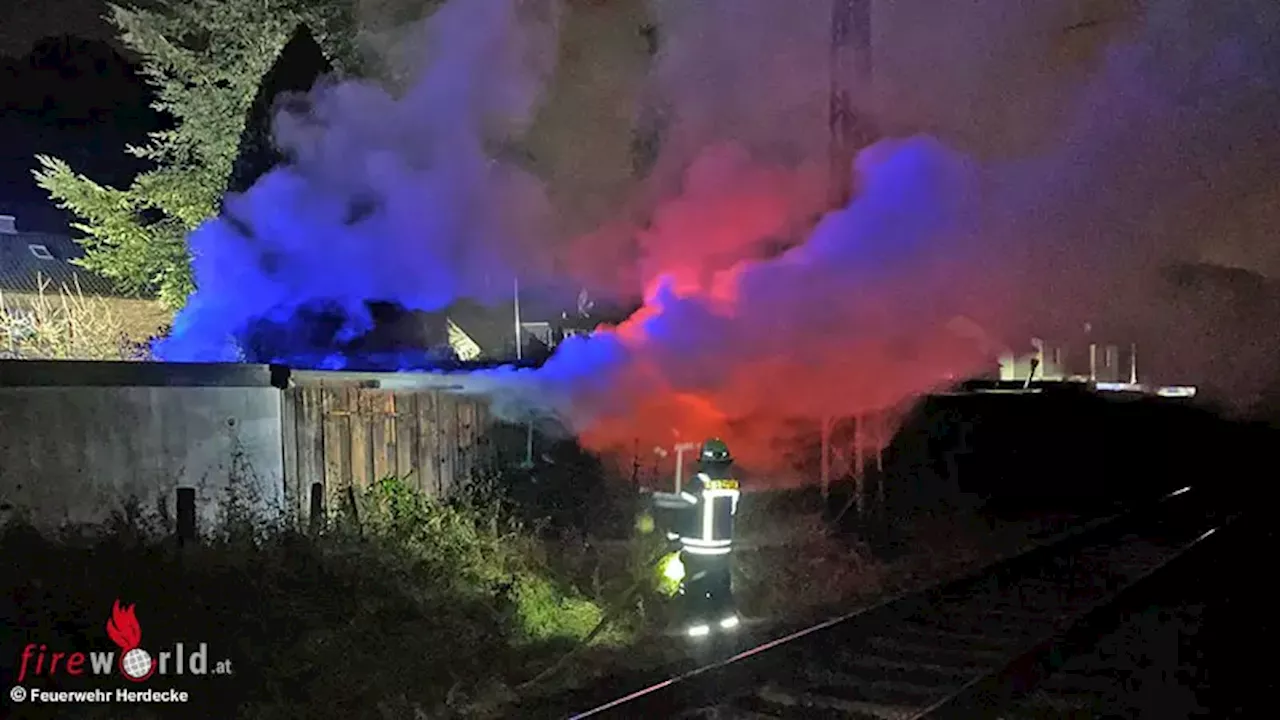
1158	145
1155	144
400	199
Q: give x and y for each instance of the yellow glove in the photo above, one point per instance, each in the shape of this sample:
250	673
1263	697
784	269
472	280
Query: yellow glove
644	523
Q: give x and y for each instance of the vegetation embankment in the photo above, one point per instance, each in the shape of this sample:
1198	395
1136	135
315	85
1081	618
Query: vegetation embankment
421	608
407	606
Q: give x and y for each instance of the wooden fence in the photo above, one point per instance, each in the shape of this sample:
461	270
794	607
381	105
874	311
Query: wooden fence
339	439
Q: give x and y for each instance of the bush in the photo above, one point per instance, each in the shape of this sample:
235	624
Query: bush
406	606
482	550
567	490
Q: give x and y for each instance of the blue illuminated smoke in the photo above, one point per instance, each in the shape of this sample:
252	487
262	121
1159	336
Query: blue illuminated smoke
398	203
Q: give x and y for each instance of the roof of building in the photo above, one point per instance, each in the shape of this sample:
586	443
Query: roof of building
30	260
492	328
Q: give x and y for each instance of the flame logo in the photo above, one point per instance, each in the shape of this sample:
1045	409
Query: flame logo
135	663
123	627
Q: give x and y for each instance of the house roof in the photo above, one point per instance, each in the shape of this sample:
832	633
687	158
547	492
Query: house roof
22	271
492	328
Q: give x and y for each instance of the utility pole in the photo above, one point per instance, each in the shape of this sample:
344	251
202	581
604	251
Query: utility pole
850	69
516	295
849	134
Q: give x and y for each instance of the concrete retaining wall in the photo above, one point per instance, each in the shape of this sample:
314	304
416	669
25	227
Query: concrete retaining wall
82	441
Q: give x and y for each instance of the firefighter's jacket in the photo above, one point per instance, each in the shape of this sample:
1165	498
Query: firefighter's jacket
708	525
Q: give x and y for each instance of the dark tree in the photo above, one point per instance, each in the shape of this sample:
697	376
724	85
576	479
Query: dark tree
300	64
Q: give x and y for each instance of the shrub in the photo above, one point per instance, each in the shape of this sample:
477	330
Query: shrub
483	550
408	607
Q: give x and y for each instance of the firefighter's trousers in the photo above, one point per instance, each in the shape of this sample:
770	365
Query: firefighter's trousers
707	589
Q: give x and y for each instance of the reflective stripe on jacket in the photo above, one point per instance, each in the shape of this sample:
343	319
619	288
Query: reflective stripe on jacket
710	530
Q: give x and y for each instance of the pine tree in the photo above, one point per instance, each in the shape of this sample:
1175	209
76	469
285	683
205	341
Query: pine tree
205	60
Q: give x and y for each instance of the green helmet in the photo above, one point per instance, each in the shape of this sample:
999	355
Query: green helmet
714	450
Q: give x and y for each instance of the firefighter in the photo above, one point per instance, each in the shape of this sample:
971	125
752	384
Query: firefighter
706	541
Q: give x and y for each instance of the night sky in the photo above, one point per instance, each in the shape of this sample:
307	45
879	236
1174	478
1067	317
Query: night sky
23	22
65	90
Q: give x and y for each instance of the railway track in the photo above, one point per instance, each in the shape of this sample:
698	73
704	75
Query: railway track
961	650
1133	672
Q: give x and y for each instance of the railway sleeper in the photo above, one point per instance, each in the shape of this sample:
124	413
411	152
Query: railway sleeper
907	669
810	701
984	641
760	706
870	688
1041	703
1084	683
1013	633
951	653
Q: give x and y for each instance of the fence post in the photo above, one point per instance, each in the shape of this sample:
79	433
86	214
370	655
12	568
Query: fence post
186	515
315	515
354	505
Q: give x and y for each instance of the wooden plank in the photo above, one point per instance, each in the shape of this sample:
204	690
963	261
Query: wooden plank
382	433
447	442
487	436
296	490
475	439
359	403
331	434
462	470
462	431
337	444
309	417
406	423
428	442
479	442
462	455
480	418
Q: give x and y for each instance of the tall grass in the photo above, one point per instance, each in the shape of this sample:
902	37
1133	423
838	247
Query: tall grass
63	324
477	547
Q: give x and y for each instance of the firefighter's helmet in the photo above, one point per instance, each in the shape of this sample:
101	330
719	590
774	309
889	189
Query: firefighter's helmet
715	451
